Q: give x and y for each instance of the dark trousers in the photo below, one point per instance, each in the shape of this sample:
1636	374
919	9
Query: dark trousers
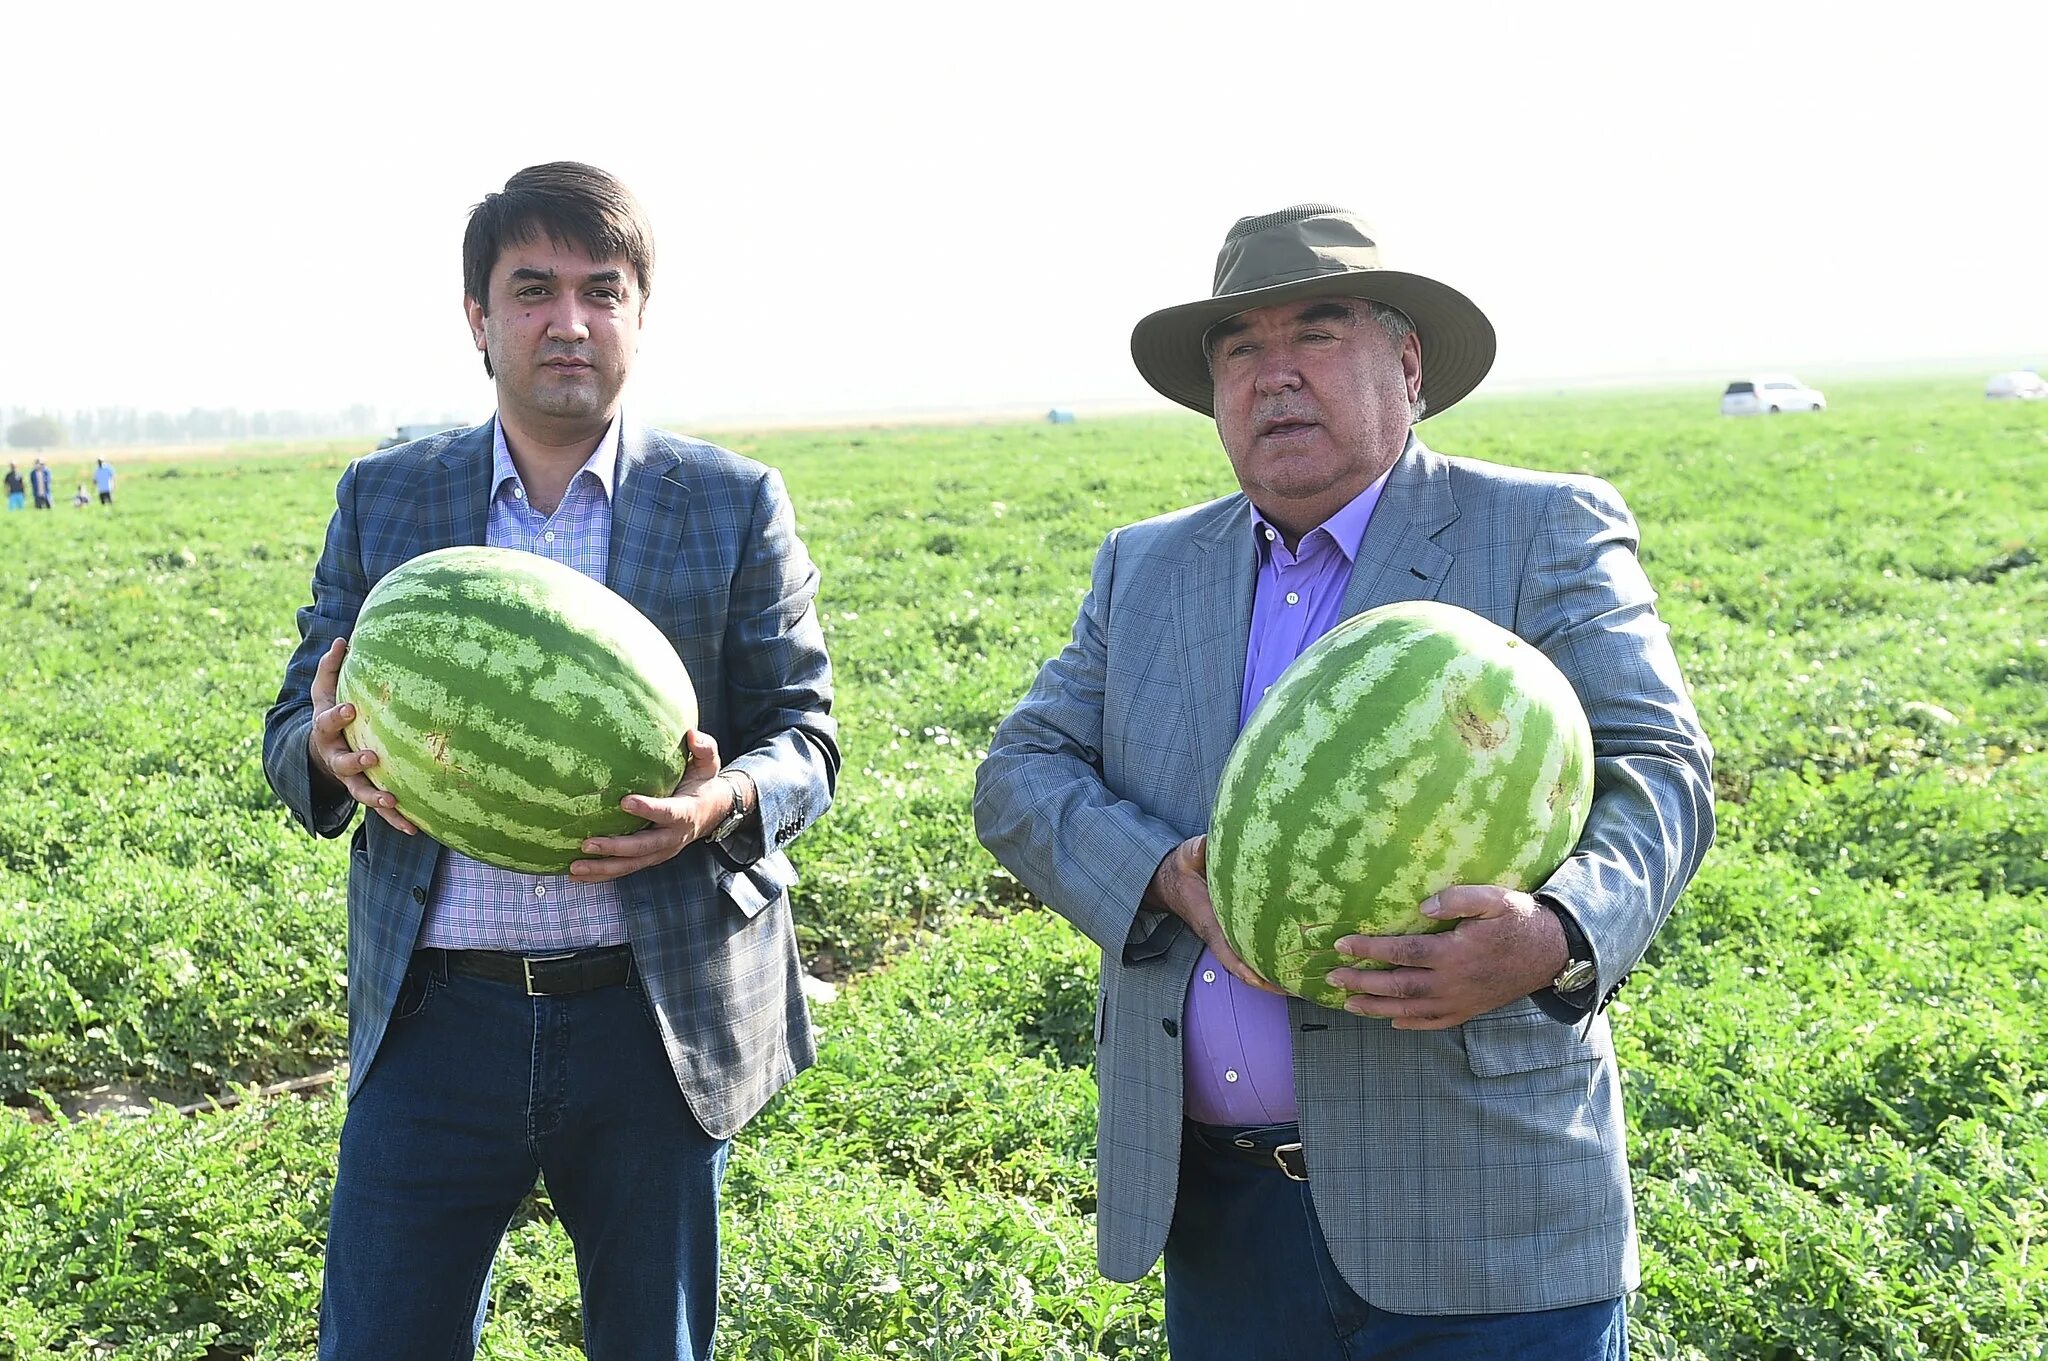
476	1091
1249	1278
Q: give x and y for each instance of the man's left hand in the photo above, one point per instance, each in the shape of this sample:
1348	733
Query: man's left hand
1505	945
690	814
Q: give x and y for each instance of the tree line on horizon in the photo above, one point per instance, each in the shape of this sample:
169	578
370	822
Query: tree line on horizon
100	427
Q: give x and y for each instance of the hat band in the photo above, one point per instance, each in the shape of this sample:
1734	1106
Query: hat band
1270	258
1319	271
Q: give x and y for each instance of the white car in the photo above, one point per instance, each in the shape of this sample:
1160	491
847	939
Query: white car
1771	393
2021	384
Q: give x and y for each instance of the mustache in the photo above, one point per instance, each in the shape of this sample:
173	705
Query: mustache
1270	418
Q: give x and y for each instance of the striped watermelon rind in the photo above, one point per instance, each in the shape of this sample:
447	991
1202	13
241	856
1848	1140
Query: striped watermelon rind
1413	747
512	702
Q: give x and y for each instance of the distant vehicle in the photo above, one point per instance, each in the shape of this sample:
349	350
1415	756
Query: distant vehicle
2020	385
1770	393
408	433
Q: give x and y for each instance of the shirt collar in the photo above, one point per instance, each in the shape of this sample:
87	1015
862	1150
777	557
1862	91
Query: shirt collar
602	464
1345	529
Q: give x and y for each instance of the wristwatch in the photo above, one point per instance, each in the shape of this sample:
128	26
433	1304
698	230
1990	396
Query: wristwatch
742	803
1579	969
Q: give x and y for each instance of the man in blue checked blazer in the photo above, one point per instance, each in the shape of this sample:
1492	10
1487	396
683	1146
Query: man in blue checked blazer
610	1028
1436	1171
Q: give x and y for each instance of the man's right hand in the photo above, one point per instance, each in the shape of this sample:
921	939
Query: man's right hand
328	744
1181	886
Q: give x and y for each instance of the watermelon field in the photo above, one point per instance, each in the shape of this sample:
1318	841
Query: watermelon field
1836	1055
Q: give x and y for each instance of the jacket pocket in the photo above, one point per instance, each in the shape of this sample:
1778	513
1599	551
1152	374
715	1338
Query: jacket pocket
1529	1041
759	884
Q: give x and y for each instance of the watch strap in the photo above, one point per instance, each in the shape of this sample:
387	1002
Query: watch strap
742	805
1578	952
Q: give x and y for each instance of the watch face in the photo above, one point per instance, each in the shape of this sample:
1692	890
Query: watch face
1577	974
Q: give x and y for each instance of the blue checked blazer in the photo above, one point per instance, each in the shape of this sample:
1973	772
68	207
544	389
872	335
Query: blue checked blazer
1478	1169
704	543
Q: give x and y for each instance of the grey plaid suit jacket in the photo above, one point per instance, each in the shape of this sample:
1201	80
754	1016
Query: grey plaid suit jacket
704	543
1473	1170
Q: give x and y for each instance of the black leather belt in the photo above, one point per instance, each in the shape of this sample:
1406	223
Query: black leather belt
1286	1156
545	975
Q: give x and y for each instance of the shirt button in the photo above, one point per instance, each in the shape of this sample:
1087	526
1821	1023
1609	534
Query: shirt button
1293	599
1230	1075
540	890
549	536
1270	535
1208	975
519	493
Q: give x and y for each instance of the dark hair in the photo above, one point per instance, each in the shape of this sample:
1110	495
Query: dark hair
572	204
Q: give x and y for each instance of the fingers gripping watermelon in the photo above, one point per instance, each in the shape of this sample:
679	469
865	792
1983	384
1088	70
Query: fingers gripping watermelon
512	702
1412	747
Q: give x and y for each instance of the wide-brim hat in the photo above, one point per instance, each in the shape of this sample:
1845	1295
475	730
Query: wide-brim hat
1313	250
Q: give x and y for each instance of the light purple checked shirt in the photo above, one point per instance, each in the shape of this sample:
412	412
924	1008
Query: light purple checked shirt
480	907
1239	1051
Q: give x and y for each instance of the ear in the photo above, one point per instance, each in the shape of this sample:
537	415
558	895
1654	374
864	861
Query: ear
476	313
1411	364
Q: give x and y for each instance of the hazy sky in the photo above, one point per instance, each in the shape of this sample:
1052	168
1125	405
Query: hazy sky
893	206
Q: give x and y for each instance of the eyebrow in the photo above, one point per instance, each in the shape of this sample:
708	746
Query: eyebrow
525	273
1222	330
1323	310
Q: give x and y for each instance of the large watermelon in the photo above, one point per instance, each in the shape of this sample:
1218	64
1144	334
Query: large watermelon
512	702
1412	747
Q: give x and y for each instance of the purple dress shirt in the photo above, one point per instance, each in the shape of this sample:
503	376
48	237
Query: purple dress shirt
480	907
1240	1055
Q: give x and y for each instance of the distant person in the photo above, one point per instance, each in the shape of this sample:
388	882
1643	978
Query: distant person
607	1030
1437	1171
103	478
84	498
39	484
17	490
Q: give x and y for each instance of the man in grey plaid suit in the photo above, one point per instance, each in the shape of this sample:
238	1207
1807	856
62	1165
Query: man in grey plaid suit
1437	1170
610	1028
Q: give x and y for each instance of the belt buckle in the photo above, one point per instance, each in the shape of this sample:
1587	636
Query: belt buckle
526	963
1282	1163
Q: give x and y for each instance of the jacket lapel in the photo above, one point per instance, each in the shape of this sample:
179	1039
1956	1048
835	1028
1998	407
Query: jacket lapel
456	501
1399	558
1214	607
647	520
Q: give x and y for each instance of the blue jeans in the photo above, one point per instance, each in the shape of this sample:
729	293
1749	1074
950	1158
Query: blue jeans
1249	1278
476	1091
